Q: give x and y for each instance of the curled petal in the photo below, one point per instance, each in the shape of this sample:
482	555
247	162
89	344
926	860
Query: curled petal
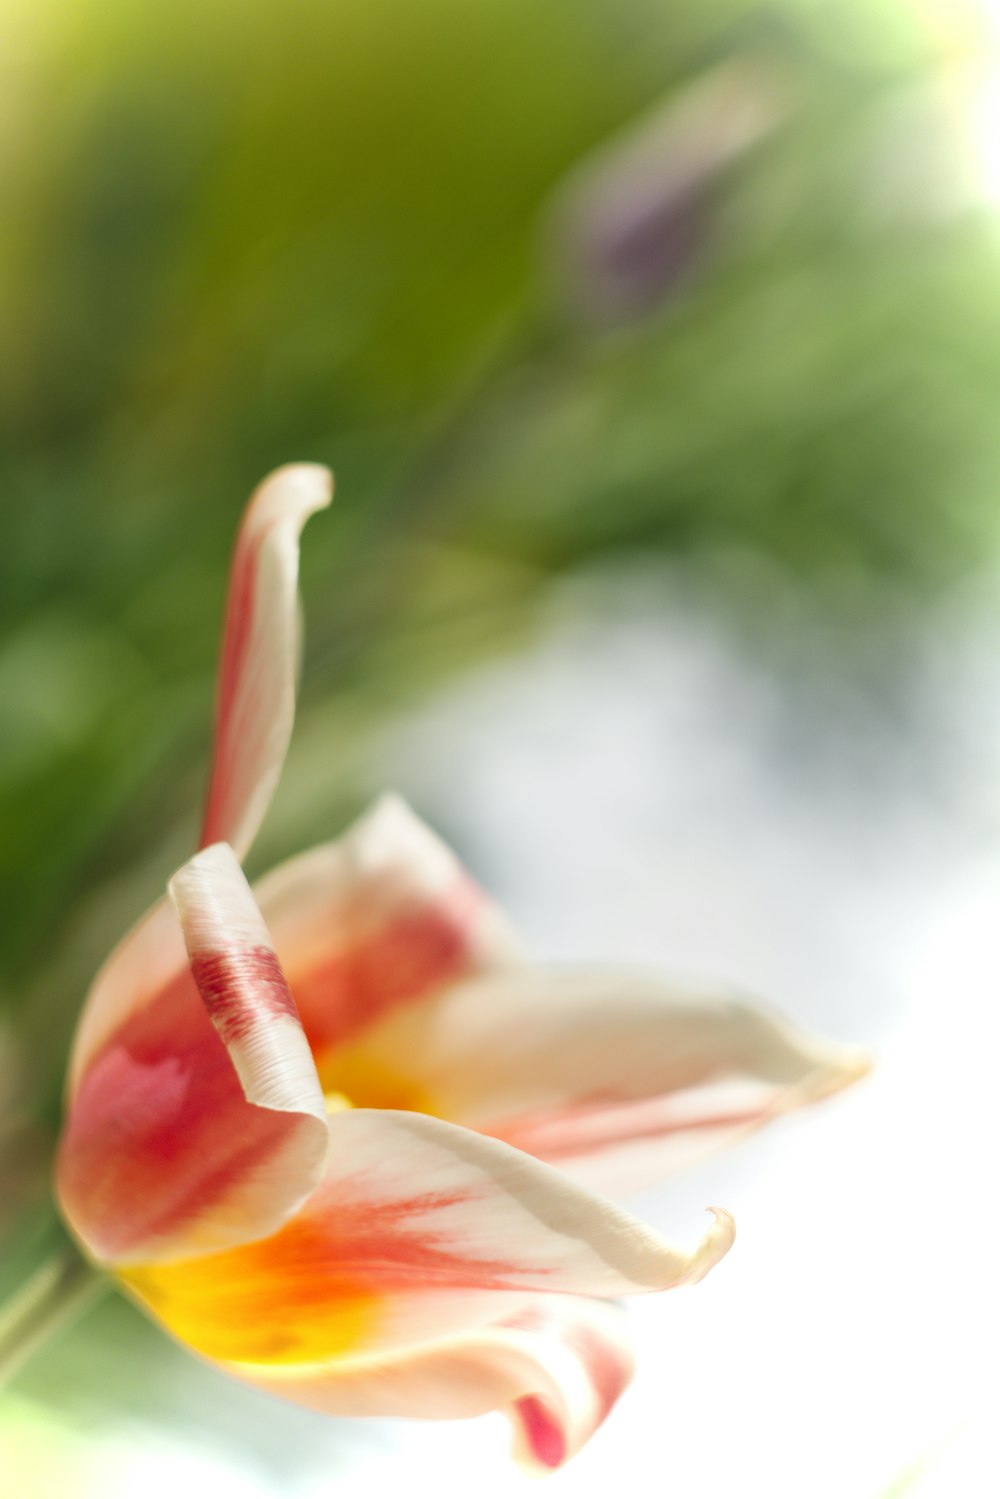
420	1228
556	1366
613	1077
256	695
199	1123
243	988
367	925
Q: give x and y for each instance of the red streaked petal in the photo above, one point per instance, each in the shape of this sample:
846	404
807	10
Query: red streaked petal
556	1367
419	1229
256	696
187	1133
613	1077
377	920
241	983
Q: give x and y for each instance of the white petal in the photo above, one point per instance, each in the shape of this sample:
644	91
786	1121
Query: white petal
256	695
598	1073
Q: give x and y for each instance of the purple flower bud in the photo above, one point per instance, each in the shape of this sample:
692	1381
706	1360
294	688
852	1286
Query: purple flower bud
629	224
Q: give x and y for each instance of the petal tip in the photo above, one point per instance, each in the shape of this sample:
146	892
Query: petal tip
390	827
841	1067
308	485
212	854
716	1244
216	862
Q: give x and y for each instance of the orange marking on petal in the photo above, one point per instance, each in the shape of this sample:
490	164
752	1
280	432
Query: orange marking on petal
314	1291
280	1301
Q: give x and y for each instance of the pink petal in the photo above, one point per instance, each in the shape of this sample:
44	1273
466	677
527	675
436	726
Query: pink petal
200	1124
556	1366
614	1078
148	964
256	696
419	1229
381	918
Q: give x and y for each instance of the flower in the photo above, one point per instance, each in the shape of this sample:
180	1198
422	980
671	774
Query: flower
335	1135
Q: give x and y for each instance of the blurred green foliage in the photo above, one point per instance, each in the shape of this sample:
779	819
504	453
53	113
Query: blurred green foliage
237	234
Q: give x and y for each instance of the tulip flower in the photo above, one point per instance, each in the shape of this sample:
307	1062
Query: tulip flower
337	1136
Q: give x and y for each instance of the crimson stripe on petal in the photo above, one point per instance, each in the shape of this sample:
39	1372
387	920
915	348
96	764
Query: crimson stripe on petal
223	980
242	985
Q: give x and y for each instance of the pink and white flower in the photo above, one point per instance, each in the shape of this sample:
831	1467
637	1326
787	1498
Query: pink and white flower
336	1135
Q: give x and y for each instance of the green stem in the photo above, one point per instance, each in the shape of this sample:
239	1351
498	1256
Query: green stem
58	1292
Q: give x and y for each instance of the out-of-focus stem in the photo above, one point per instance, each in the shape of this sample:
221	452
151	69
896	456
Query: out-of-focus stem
58	1292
